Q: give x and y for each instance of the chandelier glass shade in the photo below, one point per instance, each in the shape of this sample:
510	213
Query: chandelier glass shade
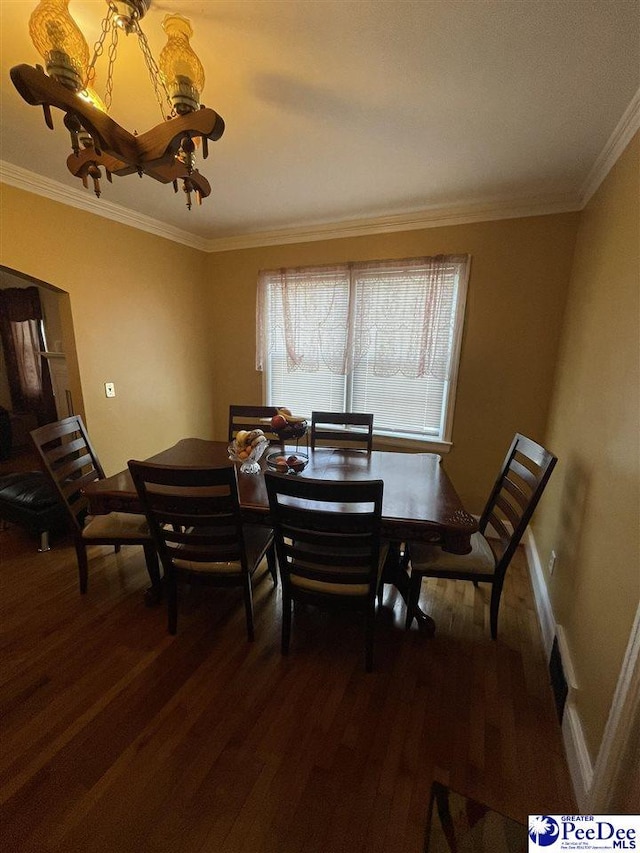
182	70
167	151
59	41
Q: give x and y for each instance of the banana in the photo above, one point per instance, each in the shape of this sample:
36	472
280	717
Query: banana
289	418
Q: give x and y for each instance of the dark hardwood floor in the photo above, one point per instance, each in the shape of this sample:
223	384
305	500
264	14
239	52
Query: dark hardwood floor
118	737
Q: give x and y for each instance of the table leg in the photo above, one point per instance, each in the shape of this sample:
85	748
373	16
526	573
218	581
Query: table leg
395	571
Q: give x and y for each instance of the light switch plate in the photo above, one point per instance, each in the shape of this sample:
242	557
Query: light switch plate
109	389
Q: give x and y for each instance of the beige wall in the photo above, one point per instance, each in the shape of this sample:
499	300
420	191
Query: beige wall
138	322
135	301
519	274
591	514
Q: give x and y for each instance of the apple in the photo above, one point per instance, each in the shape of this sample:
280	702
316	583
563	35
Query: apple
298	465
291	460
278	422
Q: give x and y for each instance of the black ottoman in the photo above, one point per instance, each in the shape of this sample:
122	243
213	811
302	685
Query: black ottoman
29	500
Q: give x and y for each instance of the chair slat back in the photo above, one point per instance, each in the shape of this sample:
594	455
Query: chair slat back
326	531
70	461
342	429
193	513
515	495
251	417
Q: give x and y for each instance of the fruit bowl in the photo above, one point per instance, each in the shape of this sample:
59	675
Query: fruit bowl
249	460
292	432
288	427
291	464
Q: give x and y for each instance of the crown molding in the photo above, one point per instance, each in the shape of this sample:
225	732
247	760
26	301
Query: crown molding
434	217
23	179
430	217
624	132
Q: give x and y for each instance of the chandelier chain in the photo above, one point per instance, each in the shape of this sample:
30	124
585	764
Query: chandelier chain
157	79
159	86
98	49
113	53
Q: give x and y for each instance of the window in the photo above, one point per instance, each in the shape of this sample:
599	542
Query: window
381	337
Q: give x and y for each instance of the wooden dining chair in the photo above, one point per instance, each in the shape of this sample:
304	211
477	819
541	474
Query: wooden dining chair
71	463
513	499
328	544
251	417
195	521
342	429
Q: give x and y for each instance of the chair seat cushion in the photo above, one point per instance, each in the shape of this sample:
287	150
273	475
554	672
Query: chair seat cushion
354	589
116	525
431	558
257	540
208	568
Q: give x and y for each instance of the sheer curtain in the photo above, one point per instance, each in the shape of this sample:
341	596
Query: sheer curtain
20	330
398	314
309	309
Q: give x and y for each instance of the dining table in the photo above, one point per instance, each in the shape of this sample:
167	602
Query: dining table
419	503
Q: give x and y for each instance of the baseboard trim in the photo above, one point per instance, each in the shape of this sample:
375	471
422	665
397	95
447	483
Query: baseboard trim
577	755
540	592
575	745
618	734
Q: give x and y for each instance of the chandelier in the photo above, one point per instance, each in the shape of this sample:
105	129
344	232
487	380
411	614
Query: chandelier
167	151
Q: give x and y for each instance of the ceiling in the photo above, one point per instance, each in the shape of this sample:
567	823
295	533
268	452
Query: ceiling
347	111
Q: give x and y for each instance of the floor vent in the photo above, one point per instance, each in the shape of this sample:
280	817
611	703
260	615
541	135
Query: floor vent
558	680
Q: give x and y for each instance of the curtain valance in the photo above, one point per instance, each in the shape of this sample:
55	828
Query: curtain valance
20	303
397	313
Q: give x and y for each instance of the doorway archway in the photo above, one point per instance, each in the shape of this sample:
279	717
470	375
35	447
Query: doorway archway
59	356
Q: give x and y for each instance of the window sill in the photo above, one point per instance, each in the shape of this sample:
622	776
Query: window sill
408	445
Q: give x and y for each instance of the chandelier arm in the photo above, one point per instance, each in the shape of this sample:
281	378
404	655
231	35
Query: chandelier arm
164	172
163	141
39	89
177	171
157	145
80	163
